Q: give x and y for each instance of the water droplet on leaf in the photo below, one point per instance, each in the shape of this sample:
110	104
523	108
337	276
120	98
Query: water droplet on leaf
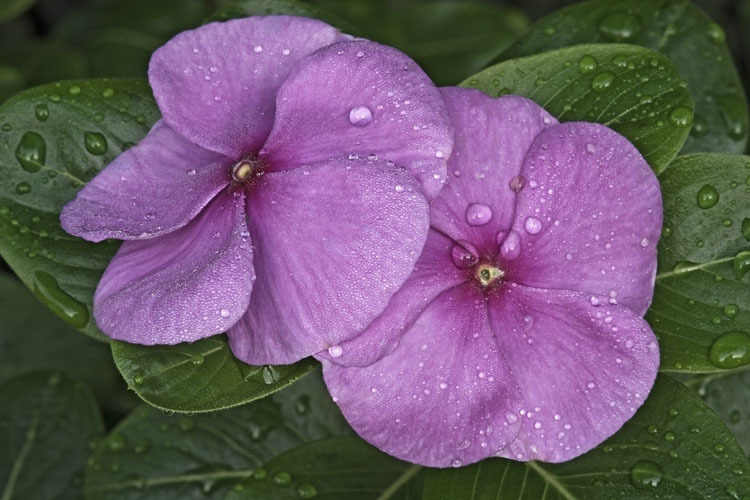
95	143
645	475
620	26
730	350
62	304
31	152
708	196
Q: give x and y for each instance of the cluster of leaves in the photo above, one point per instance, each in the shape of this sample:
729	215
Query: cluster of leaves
659	72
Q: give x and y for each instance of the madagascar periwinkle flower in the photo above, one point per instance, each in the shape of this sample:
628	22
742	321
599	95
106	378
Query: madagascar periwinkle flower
520	332
282	197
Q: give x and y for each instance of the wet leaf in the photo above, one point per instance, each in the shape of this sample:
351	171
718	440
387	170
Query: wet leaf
700	310
674	448
47	423
691	40
633	90
153	455
12	8
202	376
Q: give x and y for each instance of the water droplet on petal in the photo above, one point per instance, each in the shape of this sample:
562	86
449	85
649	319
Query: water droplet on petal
464	255
478	214
532	225
590	148
644	242
335	351
224	313
511	247
517	183
258	49
359	116
456	462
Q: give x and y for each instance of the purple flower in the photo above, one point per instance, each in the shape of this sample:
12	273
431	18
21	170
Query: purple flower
282	197
520	333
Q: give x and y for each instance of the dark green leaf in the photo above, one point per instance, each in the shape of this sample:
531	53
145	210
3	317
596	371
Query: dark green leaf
693	42
152	455
245	8
701	299
334	469
202	376
728	393
633	90
44	160
12	8
32	338
118	36
47	422
674	448
450	40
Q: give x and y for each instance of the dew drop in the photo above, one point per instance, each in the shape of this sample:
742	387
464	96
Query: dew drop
66	307
464	255
258	49
360	116
517	183
197	360
602	82
282	478
31	152
731	311
511	247
590	148
741	263
41	112
478	214
224	313
681	117
715	33
746	227
335	351
644	242
620	26
645	475
23	188
95	143
306	490
532	225
587	64
707	196
700	126
730	350
456	462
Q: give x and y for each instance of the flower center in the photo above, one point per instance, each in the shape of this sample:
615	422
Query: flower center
488	274
245	169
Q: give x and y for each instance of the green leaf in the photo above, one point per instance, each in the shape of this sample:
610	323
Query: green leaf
700	299
633	90
727	393
449	40
202	376
674	448
153	455
118	36
45	158
333	469
12	8
245	8
32	338
47	422
693	42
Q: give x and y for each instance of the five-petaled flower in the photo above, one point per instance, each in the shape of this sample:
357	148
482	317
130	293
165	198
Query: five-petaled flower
283	197
520	332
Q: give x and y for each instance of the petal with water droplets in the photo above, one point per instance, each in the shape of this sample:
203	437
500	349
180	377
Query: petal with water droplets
332	247
493	136
216	84
593	221
361	98
153	188
189	284
583	369
444	397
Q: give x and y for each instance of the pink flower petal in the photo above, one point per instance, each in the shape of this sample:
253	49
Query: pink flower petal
589	217
361	98
216	84
334	241
444	397
153	188
433	273
192	283
492	140
583	369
